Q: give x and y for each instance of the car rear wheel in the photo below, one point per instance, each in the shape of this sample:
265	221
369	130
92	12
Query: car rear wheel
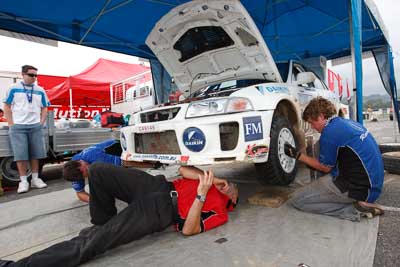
279	169
9	171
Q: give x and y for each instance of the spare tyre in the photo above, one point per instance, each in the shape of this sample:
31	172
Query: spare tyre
391	162
389	147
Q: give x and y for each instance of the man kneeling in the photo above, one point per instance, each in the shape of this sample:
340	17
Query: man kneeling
349	152
196	203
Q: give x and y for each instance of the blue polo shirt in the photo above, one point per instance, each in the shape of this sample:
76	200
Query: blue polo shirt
95	153
352	152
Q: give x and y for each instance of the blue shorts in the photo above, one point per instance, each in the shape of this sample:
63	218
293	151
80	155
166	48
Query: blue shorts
27	141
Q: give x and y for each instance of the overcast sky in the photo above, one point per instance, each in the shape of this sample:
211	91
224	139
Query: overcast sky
389	11
67	59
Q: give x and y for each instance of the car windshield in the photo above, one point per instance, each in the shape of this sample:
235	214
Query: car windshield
227	86
283	68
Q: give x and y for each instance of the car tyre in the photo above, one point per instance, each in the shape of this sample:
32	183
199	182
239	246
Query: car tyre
9	172
391	162
279	169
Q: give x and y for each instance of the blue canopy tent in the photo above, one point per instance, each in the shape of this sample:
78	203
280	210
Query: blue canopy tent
293	29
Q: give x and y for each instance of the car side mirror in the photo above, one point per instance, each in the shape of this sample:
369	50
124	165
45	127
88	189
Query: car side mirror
305	77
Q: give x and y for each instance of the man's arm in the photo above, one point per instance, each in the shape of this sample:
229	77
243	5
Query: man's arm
194	173
79	188
293	152
192	222
43	115
314	163
8	114
83	196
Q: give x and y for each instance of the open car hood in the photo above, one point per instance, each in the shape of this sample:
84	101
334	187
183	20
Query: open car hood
204	42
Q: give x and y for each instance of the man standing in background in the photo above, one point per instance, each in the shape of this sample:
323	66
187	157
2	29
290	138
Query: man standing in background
25	108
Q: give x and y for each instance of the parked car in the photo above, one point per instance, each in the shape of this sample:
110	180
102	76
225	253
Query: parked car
241	106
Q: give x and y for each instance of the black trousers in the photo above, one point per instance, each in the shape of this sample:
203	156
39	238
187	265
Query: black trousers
150	210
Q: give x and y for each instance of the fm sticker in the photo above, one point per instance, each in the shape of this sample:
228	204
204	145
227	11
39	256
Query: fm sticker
194	139
253	129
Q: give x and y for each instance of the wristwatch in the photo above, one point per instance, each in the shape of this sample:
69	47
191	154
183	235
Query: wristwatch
201	198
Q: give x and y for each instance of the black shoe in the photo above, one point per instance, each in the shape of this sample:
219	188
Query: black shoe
4	263
87	231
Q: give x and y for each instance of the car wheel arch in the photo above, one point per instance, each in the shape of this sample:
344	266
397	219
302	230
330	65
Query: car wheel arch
287	109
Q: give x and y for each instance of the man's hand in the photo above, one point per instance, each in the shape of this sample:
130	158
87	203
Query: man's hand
291	151
206	181
221	184
232	192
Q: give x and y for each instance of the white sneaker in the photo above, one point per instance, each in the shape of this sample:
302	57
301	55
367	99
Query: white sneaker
23	187
38	183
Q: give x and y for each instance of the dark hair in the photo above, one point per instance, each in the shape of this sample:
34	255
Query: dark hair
1	110
318	106
72	172
25	68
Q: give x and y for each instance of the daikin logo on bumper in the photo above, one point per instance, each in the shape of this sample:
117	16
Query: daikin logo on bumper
194	139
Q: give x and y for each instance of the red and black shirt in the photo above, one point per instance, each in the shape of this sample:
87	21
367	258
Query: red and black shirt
215	209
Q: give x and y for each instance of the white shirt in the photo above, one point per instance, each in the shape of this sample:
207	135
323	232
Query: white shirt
26	102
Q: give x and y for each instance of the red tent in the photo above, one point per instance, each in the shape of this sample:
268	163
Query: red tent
49	81
92	86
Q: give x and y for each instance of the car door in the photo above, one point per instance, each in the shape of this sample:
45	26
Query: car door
324	92
306	92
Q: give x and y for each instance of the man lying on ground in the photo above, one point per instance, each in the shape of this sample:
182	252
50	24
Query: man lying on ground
196	203
352	157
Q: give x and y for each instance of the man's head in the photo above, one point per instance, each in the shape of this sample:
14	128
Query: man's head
317	112
233	192
75	170
1	113
29	74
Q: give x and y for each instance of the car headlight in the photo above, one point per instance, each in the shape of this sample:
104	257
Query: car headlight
123	141
218	106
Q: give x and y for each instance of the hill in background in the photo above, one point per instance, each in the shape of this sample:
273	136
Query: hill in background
376	101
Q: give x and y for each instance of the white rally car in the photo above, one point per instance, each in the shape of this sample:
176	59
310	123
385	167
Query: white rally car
240	105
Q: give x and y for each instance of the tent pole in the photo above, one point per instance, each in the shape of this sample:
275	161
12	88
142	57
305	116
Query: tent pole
70	103
356	58
393	87
111	96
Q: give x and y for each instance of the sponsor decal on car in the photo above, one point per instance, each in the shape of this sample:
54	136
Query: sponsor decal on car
184	158
275	89
146	128
194	139
154	157
252	128
256	151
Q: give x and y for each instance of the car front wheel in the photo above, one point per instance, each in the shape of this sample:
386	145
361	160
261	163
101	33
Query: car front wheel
279	169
